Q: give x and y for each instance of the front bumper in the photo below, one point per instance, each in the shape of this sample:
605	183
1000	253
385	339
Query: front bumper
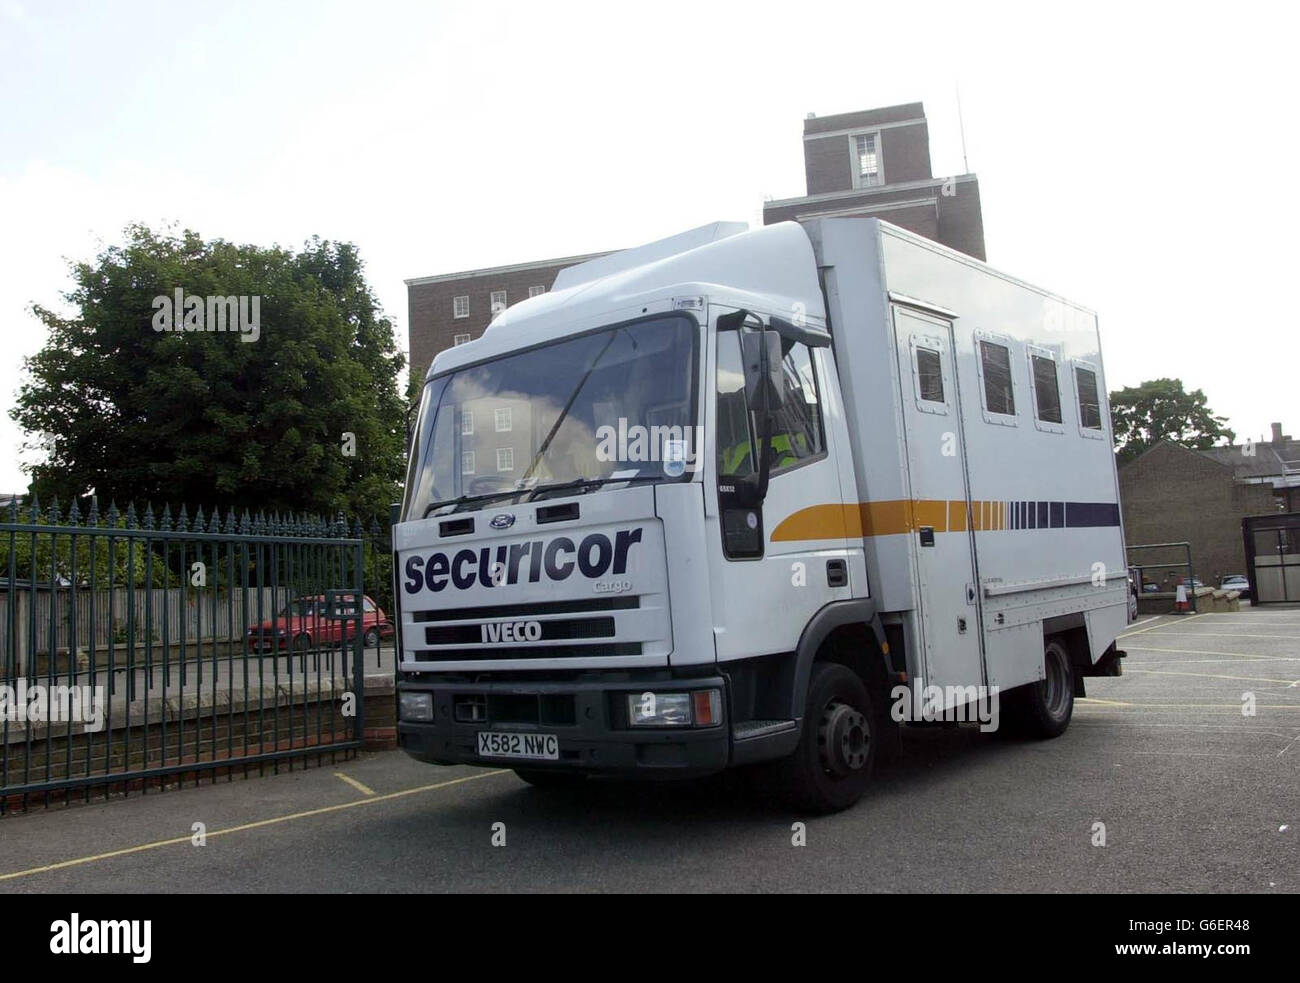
583	715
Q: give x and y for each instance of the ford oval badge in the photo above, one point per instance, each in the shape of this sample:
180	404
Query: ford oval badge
503	521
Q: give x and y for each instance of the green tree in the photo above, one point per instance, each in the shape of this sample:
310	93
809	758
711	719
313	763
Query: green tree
213	418
1160	409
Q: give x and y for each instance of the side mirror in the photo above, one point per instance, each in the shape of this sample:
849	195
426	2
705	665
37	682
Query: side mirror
761	353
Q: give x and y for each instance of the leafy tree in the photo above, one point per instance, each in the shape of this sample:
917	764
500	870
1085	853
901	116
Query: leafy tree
210	417
1160	409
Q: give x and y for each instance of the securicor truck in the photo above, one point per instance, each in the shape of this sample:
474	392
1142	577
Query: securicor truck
751	497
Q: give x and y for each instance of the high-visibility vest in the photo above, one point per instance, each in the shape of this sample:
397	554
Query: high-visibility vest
783	450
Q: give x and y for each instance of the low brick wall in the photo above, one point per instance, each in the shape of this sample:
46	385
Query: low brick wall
221	736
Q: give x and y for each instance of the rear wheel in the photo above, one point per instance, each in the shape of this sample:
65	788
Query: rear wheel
371	638
831	767
1043	709
541	778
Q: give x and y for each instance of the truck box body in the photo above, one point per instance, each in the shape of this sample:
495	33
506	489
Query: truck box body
1044	521
868	457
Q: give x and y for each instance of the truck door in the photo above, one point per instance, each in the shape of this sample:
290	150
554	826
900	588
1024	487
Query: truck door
942	539
773	573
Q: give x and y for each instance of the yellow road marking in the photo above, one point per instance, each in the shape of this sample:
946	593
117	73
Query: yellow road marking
247	826
1203	706
1109	703
1181	621
1235	655
1228	634
363	789
1208	675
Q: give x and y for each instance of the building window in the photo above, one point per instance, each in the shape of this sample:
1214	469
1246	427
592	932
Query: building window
460	306
466	462
504	422
498	302
505	458
1085	381
1046	393
866	160
535	291
929	373
995	361
467	423
460	339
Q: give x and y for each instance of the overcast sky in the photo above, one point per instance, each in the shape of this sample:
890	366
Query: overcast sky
1140	162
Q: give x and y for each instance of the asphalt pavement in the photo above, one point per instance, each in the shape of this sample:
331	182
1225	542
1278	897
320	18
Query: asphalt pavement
1160	784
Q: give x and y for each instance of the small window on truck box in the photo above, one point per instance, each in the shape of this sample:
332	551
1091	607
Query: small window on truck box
995	375
1047	391
1085	385
929	375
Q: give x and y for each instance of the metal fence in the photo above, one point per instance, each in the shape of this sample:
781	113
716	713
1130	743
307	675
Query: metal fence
139	651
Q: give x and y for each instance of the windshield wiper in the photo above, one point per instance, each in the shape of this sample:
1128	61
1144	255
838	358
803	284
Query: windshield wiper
456	503
588	483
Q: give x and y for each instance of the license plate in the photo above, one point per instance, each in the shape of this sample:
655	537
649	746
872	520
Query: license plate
498	744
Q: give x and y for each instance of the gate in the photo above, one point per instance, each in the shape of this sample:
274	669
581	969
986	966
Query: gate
1273	556
140	652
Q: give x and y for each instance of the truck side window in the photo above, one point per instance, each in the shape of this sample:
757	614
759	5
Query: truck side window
1046	393
929	373
797	426
1089	405
995	360
735	438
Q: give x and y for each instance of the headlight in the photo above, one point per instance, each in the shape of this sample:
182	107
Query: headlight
702	708
415	706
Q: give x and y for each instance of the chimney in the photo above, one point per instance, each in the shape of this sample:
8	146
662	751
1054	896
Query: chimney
1277	433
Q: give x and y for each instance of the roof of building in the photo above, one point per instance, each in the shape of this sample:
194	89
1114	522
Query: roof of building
540	264
1258	460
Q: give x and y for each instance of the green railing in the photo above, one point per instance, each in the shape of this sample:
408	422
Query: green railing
143	650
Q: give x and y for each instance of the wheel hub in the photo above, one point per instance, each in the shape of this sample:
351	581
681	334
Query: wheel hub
843	737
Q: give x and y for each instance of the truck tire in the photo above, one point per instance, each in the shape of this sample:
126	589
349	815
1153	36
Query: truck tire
1043	709
831	767
542	778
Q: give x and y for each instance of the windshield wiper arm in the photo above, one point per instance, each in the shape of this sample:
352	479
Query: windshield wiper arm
588	483
466	499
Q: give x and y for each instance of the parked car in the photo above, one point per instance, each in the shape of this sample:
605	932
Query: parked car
1132	596
1237	582
302	625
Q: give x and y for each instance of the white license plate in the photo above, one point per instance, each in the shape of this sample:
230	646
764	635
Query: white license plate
498	744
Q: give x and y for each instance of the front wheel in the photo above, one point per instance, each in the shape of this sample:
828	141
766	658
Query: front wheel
831	767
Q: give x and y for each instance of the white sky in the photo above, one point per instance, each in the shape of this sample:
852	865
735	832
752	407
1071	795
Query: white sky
1136	160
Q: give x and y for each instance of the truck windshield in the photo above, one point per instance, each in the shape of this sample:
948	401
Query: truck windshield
617	404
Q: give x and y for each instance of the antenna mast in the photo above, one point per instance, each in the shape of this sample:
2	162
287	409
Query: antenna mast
962	126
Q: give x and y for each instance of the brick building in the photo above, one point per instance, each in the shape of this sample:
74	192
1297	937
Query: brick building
453	308
1174	494
876	163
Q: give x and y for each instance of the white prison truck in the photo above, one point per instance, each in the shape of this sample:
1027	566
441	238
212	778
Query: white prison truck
736	497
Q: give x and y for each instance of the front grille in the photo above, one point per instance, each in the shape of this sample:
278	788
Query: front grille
623	603
550	631
527	652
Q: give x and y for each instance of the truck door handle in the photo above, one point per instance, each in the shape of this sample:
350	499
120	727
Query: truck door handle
837	573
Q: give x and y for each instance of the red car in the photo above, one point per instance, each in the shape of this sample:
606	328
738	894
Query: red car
302	625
